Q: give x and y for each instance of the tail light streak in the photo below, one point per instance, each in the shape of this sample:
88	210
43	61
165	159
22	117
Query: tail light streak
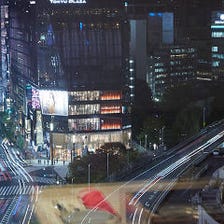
171	168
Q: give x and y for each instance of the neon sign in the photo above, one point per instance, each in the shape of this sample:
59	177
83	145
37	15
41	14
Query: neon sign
68	1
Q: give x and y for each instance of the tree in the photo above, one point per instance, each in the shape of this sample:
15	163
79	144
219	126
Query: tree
79	168
142	106
182	108
187	123
217	105
113	148
152	127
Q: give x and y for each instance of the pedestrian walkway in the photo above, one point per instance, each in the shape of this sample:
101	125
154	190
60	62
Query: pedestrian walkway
60	167
45	162
16	190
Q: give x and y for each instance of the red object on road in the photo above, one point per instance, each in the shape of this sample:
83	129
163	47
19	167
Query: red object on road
95	199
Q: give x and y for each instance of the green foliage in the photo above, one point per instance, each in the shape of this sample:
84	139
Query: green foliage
8	129
112	148
152	127
20	141
142	107
98	167
182	108
7	125
187	123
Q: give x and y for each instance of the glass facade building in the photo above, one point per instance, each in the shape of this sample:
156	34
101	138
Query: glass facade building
75	58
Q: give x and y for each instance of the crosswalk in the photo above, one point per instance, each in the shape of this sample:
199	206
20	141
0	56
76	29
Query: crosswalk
44	180
16	190
40	180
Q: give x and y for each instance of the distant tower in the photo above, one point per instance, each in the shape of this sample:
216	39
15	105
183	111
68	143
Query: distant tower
160	30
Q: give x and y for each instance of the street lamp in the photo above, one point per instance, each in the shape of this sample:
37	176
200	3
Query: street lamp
146	136
51	142
162	136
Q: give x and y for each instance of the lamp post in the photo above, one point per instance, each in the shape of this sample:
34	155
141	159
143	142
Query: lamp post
203	117
89	177
108	165
163	135
51	142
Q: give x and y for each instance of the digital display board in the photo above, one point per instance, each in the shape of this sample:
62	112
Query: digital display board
35	99
54	102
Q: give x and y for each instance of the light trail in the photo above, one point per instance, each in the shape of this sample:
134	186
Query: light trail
171	168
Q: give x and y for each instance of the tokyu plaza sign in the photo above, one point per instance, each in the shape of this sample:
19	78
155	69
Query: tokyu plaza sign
68	1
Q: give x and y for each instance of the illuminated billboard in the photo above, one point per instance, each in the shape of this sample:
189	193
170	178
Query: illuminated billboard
35	99
54	102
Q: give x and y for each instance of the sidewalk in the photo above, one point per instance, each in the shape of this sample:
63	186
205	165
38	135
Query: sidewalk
60	167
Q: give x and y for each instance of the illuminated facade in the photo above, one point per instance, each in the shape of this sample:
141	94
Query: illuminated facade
75	57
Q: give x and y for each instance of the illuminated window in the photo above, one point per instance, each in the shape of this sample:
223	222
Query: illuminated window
219	56
83	96
110	109
111	95
215	64
84	109
107	124
84	124
214	49
218	34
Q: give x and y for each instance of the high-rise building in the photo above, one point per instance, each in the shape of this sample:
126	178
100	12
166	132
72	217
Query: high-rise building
4	56
160	30
170	66
217	48
70	60
192	25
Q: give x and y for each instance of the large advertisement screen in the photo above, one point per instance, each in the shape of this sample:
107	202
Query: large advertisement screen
54	102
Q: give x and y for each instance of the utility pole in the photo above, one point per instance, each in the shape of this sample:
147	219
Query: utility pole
108	165
89	166
204	114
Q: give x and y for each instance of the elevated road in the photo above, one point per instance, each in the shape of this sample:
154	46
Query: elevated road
152	185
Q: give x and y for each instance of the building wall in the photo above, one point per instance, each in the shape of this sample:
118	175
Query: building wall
138	47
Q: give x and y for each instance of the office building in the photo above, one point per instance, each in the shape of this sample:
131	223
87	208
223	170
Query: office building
217	47
170	66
